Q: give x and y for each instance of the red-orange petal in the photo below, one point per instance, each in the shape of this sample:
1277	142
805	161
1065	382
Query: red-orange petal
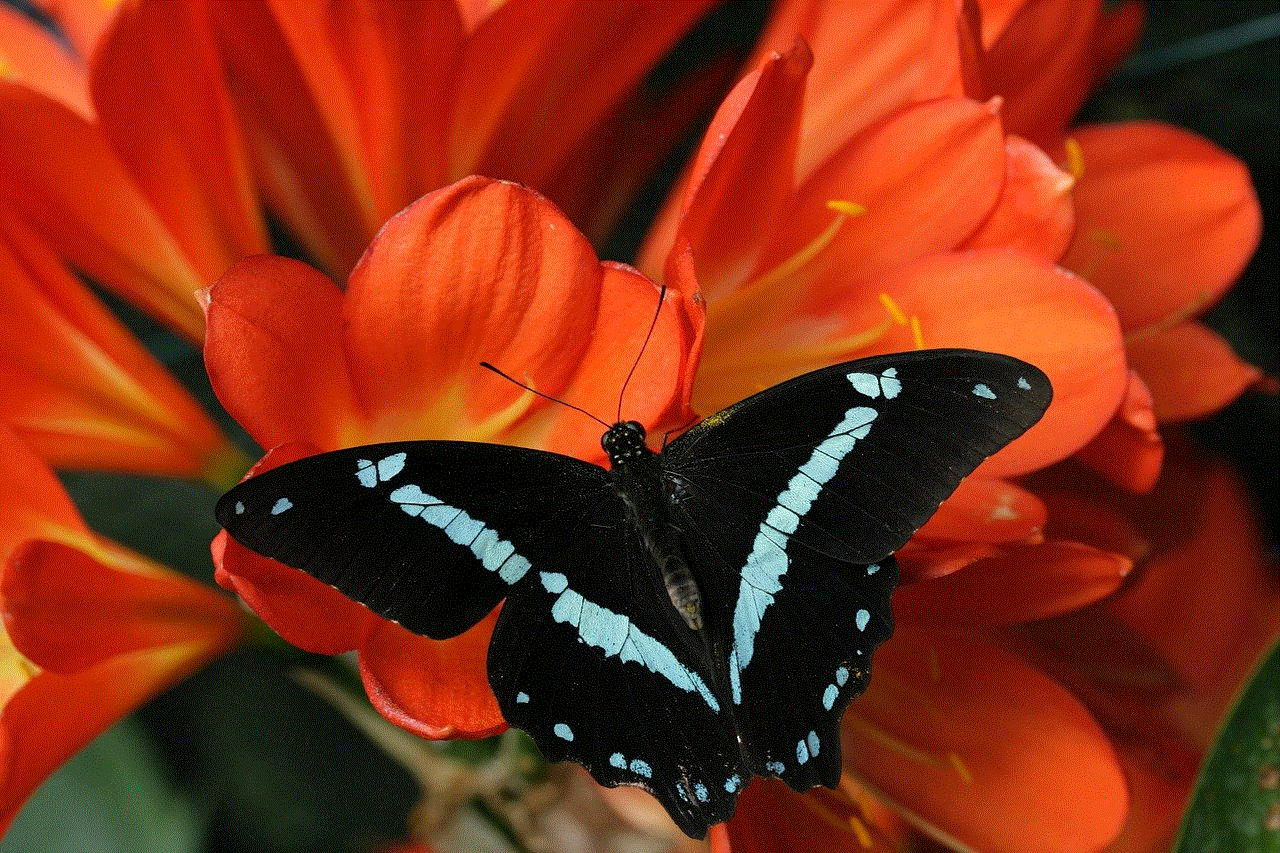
58	172
307	613
83	21
33	503
960	734
1129	450
157	87
274	354
983	510
1023	583
1165	220
434	688
927	175
537	76
79	386
29	55
69	609
1035	213
498	273
52	716
772	818
871	59
1010	303
1191	370
1042	65
743	173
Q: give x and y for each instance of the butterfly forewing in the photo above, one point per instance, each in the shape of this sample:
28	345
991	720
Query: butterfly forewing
430	534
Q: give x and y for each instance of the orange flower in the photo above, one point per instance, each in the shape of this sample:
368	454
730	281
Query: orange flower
334	115
92	630
80	388
498	272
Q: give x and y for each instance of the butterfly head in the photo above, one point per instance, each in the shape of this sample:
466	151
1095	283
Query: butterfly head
624	441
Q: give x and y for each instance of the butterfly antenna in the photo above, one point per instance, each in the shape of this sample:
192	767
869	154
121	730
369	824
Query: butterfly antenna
520	384
653	324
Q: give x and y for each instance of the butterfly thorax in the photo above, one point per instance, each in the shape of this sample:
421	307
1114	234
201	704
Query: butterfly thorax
637	477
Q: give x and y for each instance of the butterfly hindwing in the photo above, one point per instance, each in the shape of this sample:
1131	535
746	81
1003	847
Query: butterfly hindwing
430	534
592	661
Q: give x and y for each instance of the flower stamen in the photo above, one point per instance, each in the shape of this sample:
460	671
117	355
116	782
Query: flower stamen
1075	158
1168	321
801	259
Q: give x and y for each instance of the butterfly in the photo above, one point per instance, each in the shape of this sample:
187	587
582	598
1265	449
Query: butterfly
684	619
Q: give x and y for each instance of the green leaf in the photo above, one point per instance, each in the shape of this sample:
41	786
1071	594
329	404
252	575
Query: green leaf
1236	805
111	797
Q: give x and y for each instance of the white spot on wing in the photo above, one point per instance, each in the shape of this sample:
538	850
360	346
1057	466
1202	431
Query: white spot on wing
522	698
239	507
983	391
563	732
862	617
1023	383
281	506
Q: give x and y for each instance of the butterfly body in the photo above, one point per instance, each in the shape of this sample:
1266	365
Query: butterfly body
684	619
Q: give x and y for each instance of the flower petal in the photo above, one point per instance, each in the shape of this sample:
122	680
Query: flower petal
1192	371
58	173
871	59
79	386
29	55
960	734
537	76
928	176
434	688
68	609
33	503
497	272
1165	219
307	613
162	107
274	354
742	174
1034	581
983	510
1035	213
1129	449
83	21
772	818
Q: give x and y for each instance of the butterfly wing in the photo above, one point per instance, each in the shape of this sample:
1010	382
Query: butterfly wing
592	661
794	500
430	534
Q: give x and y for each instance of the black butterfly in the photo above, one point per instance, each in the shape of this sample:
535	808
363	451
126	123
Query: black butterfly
685	619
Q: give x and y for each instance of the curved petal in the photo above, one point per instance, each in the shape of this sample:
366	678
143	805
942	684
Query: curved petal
162	107
33	503
68	609
274	354
537	76
1129	449
57	171
1191	370
52	716
29	55
497	272
1029	582
307	613
870	60
434	688
927	176
1166	220
983	510
79	386
960	734
742	174
1035	214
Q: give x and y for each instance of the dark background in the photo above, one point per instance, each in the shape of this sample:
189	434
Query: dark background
241	760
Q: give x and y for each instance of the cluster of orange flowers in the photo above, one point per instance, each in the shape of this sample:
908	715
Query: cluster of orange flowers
884	176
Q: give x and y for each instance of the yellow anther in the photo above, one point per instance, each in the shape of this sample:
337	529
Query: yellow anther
798	261
7	71
961	768
917	336
860	832
1075	158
